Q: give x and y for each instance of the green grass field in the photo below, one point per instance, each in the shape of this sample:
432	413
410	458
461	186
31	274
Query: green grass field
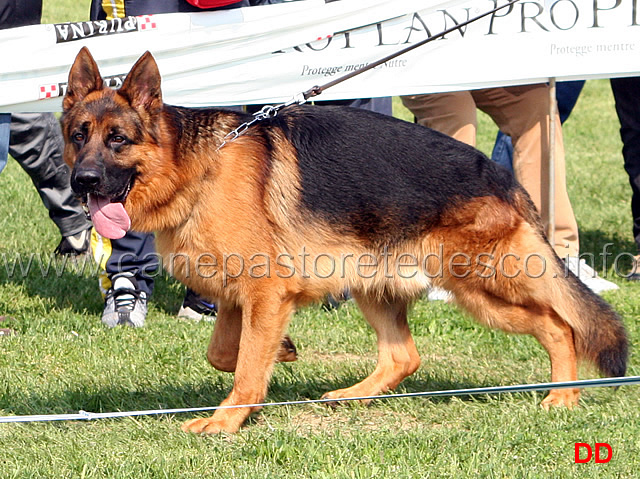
63	360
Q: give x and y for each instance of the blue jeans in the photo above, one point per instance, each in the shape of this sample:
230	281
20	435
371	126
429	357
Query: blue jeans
567	94
5	130
503	151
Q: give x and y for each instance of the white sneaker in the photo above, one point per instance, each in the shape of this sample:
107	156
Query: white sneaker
588	276
125	304
634	274
196	308
438	294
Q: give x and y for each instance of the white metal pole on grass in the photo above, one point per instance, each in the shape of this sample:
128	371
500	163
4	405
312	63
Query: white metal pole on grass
551	214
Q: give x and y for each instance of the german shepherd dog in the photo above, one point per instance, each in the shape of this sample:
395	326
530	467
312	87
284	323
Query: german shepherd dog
317	200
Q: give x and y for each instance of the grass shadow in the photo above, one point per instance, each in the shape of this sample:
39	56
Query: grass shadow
204	393
608	252
74	284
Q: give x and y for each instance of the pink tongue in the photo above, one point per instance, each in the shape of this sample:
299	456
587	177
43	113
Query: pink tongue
110	219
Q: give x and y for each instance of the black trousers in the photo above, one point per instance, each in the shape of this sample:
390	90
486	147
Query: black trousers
626	92
134	253
36	144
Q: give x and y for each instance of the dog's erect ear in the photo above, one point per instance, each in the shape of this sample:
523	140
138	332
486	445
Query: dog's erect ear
142	87
84	77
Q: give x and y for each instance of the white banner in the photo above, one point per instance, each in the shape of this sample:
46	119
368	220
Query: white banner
268	54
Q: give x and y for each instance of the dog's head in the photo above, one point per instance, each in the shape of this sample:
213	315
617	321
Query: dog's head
109	136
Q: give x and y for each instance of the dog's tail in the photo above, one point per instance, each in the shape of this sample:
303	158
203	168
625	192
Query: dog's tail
599	334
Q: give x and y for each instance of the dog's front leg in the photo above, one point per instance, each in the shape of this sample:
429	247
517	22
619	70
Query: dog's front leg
225	340
264	320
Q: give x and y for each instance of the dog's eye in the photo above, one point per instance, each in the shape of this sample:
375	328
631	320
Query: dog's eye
78	137
118	139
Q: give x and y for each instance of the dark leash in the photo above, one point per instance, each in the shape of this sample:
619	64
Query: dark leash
271	111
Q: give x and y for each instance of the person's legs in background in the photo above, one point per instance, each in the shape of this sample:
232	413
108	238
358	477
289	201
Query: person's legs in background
129	264
452	113
522	112
503	151
36	144
626	92
5	125
567	94
5	122
197	307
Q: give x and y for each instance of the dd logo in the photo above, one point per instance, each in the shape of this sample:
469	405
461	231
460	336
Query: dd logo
580	446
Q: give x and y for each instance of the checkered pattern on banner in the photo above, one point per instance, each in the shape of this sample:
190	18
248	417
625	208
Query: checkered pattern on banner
49	91
145	22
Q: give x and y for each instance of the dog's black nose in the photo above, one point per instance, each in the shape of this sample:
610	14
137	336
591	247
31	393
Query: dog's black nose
86	180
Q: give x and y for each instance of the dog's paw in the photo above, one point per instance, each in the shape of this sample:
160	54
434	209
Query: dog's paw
561	397
340	394
287	352
210	425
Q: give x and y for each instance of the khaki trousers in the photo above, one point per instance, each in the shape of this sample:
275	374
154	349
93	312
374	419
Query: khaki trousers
521	112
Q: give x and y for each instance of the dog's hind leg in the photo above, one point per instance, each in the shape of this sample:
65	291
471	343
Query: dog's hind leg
554	334
222	352
264	319
556	337
397	354
223	348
